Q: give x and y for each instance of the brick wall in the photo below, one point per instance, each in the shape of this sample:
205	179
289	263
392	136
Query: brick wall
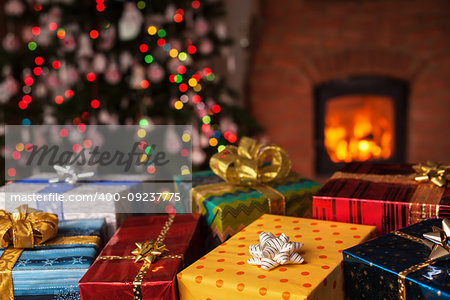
303	43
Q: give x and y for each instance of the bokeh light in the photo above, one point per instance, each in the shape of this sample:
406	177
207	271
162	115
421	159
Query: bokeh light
95	104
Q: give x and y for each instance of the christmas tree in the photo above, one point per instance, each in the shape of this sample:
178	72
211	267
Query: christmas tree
116	62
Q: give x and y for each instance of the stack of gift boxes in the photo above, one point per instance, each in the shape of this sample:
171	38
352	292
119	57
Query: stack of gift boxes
373	231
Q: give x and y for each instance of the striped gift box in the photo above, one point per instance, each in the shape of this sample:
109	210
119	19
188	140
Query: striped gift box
380	194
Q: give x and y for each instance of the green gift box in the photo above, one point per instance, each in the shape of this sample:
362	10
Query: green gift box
228	208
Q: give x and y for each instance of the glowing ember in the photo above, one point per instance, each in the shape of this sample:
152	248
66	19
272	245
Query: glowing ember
359	128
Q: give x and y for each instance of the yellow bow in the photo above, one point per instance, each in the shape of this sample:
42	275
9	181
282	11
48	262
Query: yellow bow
432	171
26	227
148	251
255	165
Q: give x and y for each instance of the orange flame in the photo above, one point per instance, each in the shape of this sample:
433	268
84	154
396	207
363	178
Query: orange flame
359	128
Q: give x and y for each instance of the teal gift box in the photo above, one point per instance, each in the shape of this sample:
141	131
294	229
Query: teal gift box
230	208
397	266
52	270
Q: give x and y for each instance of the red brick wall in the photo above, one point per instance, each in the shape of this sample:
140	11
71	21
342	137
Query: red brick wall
302	43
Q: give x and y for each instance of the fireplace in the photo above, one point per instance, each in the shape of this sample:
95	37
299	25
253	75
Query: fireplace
358	119
299	46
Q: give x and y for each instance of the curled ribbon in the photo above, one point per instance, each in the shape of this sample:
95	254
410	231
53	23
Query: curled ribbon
433	172
274	251
26	227
255	165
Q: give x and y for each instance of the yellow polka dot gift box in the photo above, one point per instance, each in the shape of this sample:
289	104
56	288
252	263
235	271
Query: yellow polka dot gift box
275	257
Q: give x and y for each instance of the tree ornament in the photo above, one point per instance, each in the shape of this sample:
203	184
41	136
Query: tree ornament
99	63
137	76
206	46
10	42
170	12
125	60
45	37
173	65
69	43
130	23
198	156
172	142
221	30
40	90
68	74
8	88
107	38
201	27
85	47
14	8
155	73
27	34
112	74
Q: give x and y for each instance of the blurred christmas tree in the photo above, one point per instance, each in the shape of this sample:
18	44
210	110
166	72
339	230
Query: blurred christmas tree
118	62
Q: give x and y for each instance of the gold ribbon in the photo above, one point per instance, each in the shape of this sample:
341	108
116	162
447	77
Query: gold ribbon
26	227
11	255
424	198
432	172
252	165
147	251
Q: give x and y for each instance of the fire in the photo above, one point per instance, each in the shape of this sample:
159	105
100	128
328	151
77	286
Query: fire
359	128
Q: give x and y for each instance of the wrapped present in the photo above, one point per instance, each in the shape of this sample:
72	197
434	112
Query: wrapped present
390	196
405	264
55	258
224	273
143	257
243	185
107	186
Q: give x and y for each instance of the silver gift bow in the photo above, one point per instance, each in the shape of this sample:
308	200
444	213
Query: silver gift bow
68	174
274	251
438	240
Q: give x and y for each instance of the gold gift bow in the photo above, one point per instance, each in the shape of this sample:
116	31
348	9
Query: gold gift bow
253	165
11	255
137	282
424	197
433	172
432	258
26	227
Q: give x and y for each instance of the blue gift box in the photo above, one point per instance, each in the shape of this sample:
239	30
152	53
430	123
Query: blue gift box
53	272
374	269
108	185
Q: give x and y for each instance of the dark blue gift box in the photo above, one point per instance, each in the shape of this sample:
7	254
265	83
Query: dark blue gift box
372	269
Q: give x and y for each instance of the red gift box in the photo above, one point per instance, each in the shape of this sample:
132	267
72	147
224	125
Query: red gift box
116	275
380	194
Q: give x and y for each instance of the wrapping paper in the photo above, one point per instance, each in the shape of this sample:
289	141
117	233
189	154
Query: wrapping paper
53	272
372	268
229	208
388	205
113	278
68	210
224	274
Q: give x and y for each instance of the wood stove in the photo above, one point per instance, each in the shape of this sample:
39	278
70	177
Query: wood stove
359	119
